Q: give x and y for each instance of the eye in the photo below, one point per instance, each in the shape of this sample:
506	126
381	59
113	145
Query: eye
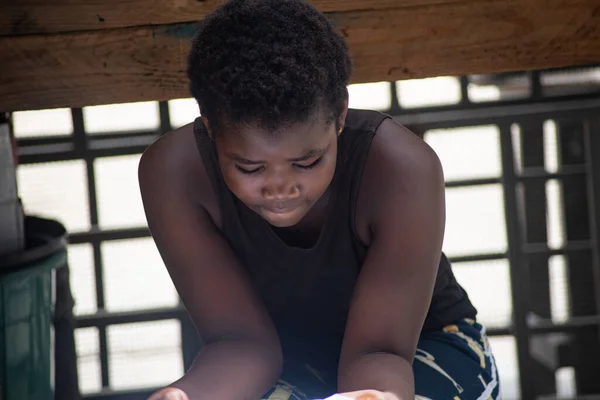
247	171
311	165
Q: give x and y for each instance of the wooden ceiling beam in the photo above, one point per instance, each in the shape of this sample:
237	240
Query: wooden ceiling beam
20	17
455	38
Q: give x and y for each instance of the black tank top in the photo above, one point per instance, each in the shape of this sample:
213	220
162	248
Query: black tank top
307	291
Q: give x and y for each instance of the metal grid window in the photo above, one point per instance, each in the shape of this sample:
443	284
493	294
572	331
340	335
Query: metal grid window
523	206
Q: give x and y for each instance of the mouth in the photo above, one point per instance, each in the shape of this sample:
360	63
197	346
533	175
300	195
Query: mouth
282	214
281	208
281	211
281	217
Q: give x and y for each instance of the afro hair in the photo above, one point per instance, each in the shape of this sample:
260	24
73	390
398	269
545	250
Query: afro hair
268	63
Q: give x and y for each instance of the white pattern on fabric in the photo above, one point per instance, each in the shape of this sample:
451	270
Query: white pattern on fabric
429	360
487	393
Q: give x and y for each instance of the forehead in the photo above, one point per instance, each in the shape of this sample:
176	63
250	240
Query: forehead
290	140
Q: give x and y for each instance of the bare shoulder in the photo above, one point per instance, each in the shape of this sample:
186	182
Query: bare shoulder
401	153
398	163
174	164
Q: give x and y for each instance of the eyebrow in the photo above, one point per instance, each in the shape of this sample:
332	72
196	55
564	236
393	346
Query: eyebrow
310	154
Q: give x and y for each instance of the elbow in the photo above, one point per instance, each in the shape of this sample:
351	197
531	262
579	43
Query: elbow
390	353
359	363
270	355
379	370
376	353
273	355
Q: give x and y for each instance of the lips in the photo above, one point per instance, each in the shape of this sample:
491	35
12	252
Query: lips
281	207
280	210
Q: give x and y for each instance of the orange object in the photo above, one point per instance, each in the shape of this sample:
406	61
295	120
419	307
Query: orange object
367	396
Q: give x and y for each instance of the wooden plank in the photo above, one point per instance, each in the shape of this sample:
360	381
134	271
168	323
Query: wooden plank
34	16
149	63
472	37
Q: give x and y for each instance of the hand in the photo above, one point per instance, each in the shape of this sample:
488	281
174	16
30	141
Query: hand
169	394
365	395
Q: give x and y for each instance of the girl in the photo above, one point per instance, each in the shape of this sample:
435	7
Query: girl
305	238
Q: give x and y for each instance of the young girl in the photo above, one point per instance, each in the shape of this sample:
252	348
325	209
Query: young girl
303	237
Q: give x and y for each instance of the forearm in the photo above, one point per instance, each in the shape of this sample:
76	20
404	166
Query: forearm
237	369
385	372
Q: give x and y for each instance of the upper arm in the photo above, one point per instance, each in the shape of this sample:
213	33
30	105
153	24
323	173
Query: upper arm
204	269
406	218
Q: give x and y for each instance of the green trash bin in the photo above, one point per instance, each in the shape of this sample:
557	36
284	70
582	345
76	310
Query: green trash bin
26	311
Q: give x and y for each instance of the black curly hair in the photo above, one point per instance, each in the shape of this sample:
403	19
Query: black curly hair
268	63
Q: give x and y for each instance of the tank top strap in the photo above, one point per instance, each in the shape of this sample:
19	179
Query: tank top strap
361	126
225	199
365	120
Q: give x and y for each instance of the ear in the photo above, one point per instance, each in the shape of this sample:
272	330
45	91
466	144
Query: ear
342	118
207	125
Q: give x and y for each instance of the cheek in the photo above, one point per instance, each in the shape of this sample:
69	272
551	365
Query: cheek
315	184
243	188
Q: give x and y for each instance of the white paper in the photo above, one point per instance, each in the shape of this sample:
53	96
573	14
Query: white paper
338	397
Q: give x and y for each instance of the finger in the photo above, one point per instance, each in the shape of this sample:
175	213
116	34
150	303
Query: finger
169	394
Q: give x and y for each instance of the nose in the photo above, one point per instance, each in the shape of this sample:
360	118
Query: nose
280	187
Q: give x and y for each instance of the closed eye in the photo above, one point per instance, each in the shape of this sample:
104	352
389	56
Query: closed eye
311	165
248	171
